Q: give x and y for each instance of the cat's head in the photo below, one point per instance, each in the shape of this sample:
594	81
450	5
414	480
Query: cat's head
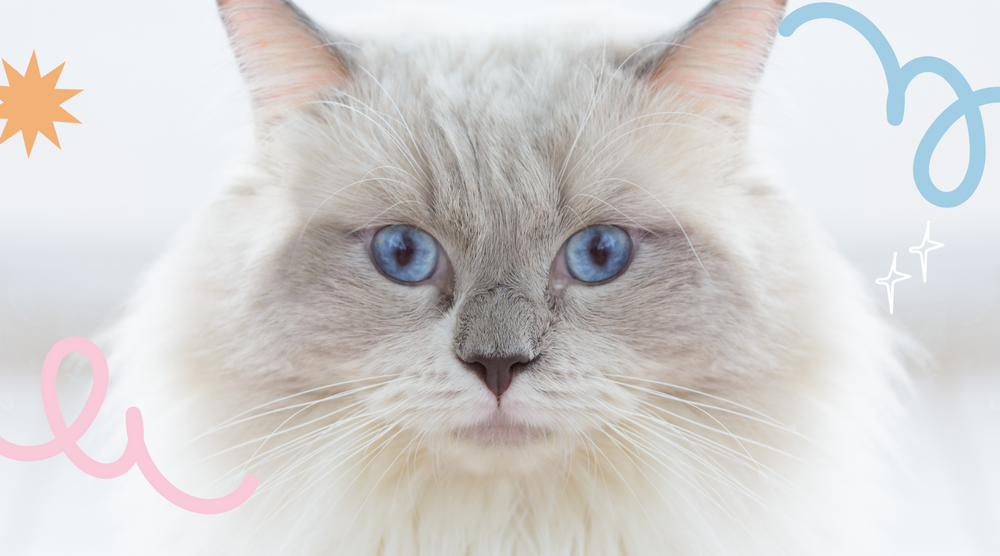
510	244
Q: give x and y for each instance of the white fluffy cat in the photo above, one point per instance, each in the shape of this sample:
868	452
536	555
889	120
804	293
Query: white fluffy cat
510	296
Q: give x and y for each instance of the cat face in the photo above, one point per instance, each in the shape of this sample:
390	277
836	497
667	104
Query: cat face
502	246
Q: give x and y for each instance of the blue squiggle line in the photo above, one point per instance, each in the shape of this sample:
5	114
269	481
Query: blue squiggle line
899	78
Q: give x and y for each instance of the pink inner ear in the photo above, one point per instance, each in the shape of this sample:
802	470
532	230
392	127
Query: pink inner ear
282	55
724	54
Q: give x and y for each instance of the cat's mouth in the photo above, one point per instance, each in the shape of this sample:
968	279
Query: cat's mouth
500	429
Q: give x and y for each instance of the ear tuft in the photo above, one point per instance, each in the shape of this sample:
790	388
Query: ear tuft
722	52
285	58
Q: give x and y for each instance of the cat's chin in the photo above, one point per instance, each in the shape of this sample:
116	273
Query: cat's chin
500	430
500	444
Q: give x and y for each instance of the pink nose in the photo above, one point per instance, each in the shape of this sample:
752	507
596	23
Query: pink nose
497	372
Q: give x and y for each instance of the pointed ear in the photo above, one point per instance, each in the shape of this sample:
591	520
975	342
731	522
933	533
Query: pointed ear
285	58
721	54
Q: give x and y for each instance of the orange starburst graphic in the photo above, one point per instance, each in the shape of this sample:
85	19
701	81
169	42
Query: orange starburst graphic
31	104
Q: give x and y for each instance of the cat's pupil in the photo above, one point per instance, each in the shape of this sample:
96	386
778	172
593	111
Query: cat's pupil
404	250
598	250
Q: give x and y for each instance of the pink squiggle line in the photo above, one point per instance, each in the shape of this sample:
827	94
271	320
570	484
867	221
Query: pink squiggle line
135	453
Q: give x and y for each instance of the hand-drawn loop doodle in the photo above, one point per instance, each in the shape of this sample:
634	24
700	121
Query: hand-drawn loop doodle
135	453
898	78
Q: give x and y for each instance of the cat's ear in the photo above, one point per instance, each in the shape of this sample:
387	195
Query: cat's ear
285	58
720	55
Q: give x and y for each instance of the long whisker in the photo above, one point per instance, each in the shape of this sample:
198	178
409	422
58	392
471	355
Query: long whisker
288	397
373	417
306	488
703	443
375	454
714	501
383	430
676	221
730	481
730	433
593	157
287	444
402	120
639	468
374	486
597	100
680	433
738	438
614	208
394	137
254	455
230	423
387	209
718	473
309	440
385	119
304	406
364	179
761	417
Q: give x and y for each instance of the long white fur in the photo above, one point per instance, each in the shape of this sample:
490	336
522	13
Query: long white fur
732	393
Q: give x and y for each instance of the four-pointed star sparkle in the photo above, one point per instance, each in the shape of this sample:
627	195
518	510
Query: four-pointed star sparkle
889	283
925	247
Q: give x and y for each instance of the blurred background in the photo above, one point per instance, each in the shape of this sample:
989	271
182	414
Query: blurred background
165	119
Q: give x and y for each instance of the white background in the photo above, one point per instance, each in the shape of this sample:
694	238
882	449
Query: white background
165	119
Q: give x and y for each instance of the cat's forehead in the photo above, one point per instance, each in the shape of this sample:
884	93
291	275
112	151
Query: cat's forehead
506	147
503	133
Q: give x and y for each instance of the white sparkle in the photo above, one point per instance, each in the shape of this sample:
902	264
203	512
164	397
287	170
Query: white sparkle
890	285
925	247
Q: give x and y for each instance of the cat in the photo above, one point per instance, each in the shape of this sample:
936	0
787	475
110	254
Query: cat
508	296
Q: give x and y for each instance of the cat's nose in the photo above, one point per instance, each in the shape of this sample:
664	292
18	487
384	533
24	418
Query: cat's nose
497	372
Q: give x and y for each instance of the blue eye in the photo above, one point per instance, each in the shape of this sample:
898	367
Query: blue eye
598	254
404	253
